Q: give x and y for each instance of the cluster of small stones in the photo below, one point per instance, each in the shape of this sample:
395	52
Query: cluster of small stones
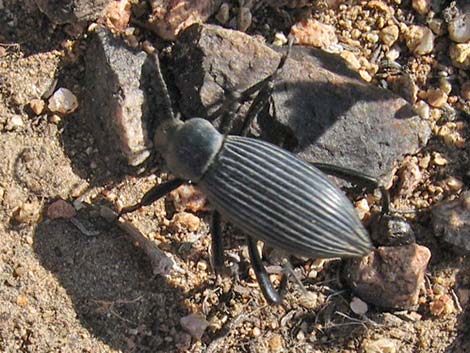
377	38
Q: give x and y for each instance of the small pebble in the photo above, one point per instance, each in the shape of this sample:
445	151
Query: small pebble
459	28
389	34
223	15
255	332
60	209
54	119
188	197
419	40
442	306
436	97
393	54
439	160
117	16
194	324
445	85
381	345
314	33
244	19
352	59
362	208
15	122
186	220
465	90
276	343
422	109
202	265
63	101
358	306
37	106
279	39
309	300
27	213
421	6
22	300
460	55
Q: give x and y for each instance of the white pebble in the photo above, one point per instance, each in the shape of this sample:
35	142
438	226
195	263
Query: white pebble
279	39
422	109
358	306
459	28
15	122
63	101
420	40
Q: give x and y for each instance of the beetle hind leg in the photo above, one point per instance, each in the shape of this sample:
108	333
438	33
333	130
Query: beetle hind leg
271	295
217	249
358	178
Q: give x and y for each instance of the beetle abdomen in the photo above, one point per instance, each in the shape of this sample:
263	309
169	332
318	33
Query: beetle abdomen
273	196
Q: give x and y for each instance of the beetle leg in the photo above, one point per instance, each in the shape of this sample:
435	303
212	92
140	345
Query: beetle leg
358	178
155	193
270	294
265	90
217	248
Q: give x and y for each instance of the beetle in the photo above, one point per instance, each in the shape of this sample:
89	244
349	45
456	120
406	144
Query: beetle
262	189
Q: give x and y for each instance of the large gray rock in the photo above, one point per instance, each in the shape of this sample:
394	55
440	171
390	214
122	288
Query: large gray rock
121	97
320	109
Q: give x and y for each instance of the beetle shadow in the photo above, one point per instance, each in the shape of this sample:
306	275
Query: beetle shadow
111	286
311	107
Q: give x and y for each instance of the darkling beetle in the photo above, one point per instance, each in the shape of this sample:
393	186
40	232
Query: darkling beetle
265	191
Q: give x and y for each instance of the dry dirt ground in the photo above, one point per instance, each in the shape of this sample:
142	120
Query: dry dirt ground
63	289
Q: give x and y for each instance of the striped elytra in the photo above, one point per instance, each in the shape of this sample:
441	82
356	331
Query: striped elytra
275	197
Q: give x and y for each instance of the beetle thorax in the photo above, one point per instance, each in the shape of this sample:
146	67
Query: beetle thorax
188	148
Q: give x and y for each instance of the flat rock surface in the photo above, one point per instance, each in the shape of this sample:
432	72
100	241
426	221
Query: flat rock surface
70	11
120	97
319	107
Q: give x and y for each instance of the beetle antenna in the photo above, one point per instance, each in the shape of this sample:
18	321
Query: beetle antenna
163	86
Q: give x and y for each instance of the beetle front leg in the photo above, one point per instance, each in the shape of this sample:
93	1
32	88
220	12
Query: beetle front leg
270	294
155	193
217	248
358	178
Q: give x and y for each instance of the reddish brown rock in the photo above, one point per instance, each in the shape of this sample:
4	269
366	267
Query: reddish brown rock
60	209
169	17
194	324
390	277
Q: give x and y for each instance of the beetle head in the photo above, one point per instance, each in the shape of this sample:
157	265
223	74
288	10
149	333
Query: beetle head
188	148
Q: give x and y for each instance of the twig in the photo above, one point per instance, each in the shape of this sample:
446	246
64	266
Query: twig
456	300
162	264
